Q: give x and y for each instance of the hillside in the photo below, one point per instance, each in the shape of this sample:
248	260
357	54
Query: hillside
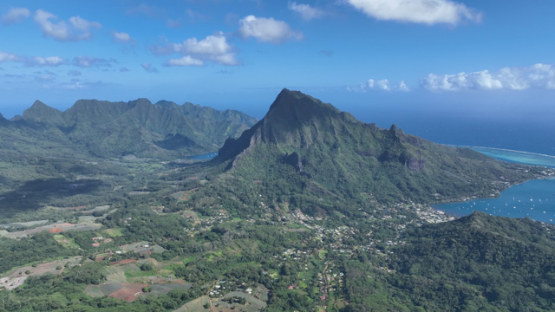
476	263
308	210
319	151
114	129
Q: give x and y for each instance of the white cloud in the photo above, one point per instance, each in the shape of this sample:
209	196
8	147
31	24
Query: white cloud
75	30
87	61
539	76
403	87
122	37
32	61
417	11
47	61
383	84
14	16
267	30
185	61
8	57
213	48
306	11
380	85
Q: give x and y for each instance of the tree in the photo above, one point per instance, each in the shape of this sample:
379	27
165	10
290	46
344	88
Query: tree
147	266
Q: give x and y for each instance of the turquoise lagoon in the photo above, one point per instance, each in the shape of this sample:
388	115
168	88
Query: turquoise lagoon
534	199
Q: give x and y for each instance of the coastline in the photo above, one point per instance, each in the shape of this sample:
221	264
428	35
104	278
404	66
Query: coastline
549	173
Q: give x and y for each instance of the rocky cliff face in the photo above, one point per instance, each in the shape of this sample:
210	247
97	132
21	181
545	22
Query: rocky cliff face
334	150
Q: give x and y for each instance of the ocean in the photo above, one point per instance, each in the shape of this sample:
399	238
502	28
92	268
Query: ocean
534	199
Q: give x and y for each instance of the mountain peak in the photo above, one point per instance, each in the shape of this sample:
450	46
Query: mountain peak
294	120
288	99
38	105
42	113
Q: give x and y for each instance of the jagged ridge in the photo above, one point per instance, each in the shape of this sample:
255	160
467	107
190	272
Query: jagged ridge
343	154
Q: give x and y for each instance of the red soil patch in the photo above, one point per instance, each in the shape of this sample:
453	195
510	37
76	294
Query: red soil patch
107	240
55	230
126	261
96	244
129	292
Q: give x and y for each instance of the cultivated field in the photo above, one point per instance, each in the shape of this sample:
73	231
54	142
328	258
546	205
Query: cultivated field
16	277
52	228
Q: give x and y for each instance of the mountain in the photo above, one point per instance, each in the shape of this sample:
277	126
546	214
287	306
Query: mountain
475	263
114	129
40	112
323	151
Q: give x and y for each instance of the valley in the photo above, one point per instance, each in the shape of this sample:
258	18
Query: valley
308	210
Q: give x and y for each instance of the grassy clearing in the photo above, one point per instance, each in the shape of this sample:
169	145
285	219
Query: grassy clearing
133	274
115	232
322	254
66	242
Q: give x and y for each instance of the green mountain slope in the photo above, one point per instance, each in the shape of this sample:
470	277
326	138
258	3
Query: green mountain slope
115	129
476	263
319	150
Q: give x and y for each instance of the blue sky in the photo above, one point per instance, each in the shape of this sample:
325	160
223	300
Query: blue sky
370	57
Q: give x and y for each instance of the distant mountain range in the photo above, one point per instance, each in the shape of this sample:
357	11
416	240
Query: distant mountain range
102	129
333	153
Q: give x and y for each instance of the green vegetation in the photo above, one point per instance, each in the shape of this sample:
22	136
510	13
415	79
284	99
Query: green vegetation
477	263
309	210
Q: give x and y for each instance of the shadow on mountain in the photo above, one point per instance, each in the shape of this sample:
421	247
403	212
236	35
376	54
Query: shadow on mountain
175	142
36	193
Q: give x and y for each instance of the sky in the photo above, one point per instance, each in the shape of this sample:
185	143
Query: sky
383	60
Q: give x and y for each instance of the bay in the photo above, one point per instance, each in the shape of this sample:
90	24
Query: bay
534	199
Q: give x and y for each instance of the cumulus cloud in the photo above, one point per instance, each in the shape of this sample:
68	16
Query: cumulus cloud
403	87
14	16
75	29
380	85
306	11
185	61
267	30
539	76
123	38
8	57
149	68
87	61
428	12
195	52
46	61
32	61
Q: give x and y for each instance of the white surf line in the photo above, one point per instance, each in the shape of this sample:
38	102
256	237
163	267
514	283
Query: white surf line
514	151
503	149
